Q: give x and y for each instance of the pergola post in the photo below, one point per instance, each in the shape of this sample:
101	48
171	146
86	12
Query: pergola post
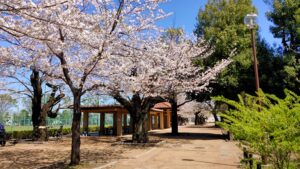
147	123
85	122
161	120
130	125
150	122
155	122
168	112
102	123
125	121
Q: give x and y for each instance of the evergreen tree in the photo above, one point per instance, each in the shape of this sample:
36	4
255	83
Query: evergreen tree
221	23
239	76
285	16
285	24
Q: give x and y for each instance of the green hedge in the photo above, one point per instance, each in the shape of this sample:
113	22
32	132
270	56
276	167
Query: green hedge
28	134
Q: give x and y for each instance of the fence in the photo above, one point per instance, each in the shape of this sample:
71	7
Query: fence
13	123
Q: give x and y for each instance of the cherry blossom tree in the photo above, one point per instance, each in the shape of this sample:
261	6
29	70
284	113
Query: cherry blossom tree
72	39
189	78
185	76
156	70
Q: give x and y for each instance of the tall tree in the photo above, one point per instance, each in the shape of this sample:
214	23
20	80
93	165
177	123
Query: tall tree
220	23
158	70
71	40
175	37
226	28
284	15
238	77
285	25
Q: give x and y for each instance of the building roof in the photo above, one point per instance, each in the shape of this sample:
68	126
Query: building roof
162	105
156	110
108	108
113	108
101	106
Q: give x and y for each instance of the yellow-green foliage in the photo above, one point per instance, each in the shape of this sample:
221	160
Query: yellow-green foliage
266	124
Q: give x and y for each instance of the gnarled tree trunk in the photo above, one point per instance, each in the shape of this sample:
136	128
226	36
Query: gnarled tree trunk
140	134
197	118
47	112
39	112
36	102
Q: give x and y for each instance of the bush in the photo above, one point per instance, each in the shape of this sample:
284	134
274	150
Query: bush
266	124
19	134
51	132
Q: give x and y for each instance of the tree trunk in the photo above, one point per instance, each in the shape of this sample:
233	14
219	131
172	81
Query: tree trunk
39	112
140	135
215	117
47	112
75	151
42	130
36	103
197	118
139	113
173	102
214	112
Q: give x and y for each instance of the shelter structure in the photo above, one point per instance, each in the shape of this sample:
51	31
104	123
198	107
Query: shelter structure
159	118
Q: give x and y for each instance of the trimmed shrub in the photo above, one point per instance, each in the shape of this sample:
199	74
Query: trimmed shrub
51	132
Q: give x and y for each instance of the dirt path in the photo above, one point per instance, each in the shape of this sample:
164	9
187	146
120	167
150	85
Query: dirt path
196	147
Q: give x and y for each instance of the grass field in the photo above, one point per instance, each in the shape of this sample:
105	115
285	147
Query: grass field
26	128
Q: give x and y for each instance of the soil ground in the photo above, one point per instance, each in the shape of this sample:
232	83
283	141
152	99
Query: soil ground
195	147
55	154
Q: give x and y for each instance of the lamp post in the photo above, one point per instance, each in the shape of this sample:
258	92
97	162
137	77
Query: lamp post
250	21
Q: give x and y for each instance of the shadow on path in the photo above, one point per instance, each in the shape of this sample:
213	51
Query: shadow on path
207	162
191	136
56	165
203	126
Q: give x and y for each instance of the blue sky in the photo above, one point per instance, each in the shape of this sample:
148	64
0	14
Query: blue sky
185	13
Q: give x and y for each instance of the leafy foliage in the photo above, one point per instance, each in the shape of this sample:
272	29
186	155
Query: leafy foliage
221	23
275	71
6	103
266	124
285	15
286	23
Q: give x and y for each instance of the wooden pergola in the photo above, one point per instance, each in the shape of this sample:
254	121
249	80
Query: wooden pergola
159	117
